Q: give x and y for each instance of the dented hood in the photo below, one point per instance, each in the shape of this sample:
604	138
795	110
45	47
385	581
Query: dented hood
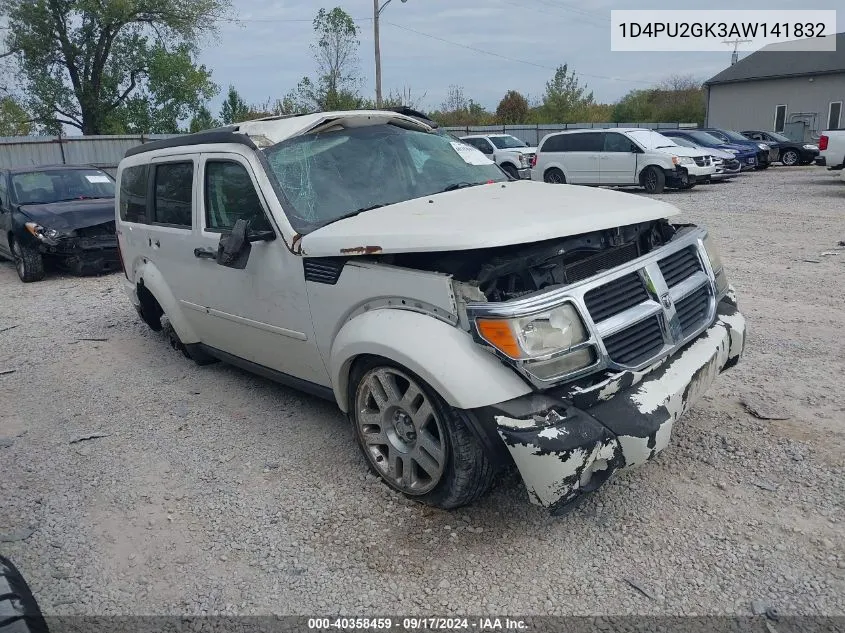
485	216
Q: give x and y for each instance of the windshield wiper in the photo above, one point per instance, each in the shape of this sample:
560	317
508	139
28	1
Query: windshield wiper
662	146
352	214
460	185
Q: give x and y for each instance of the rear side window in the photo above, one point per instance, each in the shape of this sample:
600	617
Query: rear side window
174	183
615	142
556	143
578	142
229	196
133	194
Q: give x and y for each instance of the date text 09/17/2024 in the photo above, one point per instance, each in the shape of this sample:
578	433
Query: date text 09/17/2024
417	624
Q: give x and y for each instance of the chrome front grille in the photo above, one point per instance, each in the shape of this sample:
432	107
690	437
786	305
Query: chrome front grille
615	297
702	161
692	310
679	266
636	344
635	314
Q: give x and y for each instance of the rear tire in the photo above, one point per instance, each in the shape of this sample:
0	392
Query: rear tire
554	176
29	263
412	439
653	179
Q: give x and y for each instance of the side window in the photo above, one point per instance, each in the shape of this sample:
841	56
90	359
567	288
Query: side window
587	142
133	194
4	194
834	114
229	196
173	187
481	144
615	142
557	143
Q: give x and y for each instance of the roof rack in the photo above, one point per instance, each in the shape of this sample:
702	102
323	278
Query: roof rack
208	137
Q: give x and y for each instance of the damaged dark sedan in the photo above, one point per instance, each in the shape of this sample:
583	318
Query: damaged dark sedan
58	215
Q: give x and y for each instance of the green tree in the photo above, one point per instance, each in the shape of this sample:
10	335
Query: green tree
565	99
675	99
202	120
336	53
513	108
234	108
14	120
96	65
458	109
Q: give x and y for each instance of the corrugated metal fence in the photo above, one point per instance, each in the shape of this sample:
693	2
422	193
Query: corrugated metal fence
532	134
104	152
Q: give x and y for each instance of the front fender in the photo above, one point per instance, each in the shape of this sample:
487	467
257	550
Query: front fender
150	276
464	374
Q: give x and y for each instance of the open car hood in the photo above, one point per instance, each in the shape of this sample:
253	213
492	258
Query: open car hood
485	216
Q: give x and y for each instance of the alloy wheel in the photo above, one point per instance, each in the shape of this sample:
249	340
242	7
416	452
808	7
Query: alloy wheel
402	434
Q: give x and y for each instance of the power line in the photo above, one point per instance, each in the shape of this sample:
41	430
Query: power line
510	59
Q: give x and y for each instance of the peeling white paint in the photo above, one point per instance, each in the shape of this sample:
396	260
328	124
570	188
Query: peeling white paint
657	393
514	423
636	449
544	475
737	322
552	432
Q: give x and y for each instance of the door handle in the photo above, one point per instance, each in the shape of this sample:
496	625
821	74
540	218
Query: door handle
157	243
205	253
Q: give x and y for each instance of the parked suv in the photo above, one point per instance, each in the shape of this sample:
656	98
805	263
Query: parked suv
508	152
57	214
619	156
364	258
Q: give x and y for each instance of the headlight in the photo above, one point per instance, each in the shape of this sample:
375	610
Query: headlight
43	234
523	161
682	160
534	336
811	146
763	146
716	264
732	151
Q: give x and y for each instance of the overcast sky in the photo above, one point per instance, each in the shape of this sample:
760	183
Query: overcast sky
427	46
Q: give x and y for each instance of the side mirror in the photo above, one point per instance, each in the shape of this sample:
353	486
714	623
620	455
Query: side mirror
636	149
235	247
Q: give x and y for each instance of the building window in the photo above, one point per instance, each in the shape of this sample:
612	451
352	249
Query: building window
780	118
834	114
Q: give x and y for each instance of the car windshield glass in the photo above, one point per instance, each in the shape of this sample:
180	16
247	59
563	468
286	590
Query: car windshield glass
779	137
735	136
705	139
651	140
43	187
685	142
507	142
326	176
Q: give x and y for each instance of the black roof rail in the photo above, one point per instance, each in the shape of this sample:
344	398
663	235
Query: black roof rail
415	114
208	137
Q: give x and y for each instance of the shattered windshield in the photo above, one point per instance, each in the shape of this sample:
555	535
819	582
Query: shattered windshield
652	140
507	142
59	185
330	175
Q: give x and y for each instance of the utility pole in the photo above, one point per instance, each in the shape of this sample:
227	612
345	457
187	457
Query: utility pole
377	9
736	43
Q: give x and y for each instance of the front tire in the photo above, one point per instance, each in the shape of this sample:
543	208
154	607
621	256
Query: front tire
789	158
412	439
29	263
654	180
554	176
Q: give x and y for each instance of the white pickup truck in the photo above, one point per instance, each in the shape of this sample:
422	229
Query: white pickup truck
832	149
508	152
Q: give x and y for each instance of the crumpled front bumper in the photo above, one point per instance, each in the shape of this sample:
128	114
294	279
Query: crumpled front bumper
569	441
84	255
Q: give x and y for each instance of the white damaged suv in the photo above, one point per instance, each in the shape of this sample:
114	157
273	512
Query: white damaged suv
364	258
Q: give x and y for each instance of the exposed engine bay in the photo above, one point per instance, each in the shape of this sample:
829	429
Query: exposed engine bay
507	272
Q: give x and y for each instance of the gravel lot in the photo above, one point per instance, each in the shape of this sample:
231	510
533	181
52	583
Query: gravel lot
213	490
